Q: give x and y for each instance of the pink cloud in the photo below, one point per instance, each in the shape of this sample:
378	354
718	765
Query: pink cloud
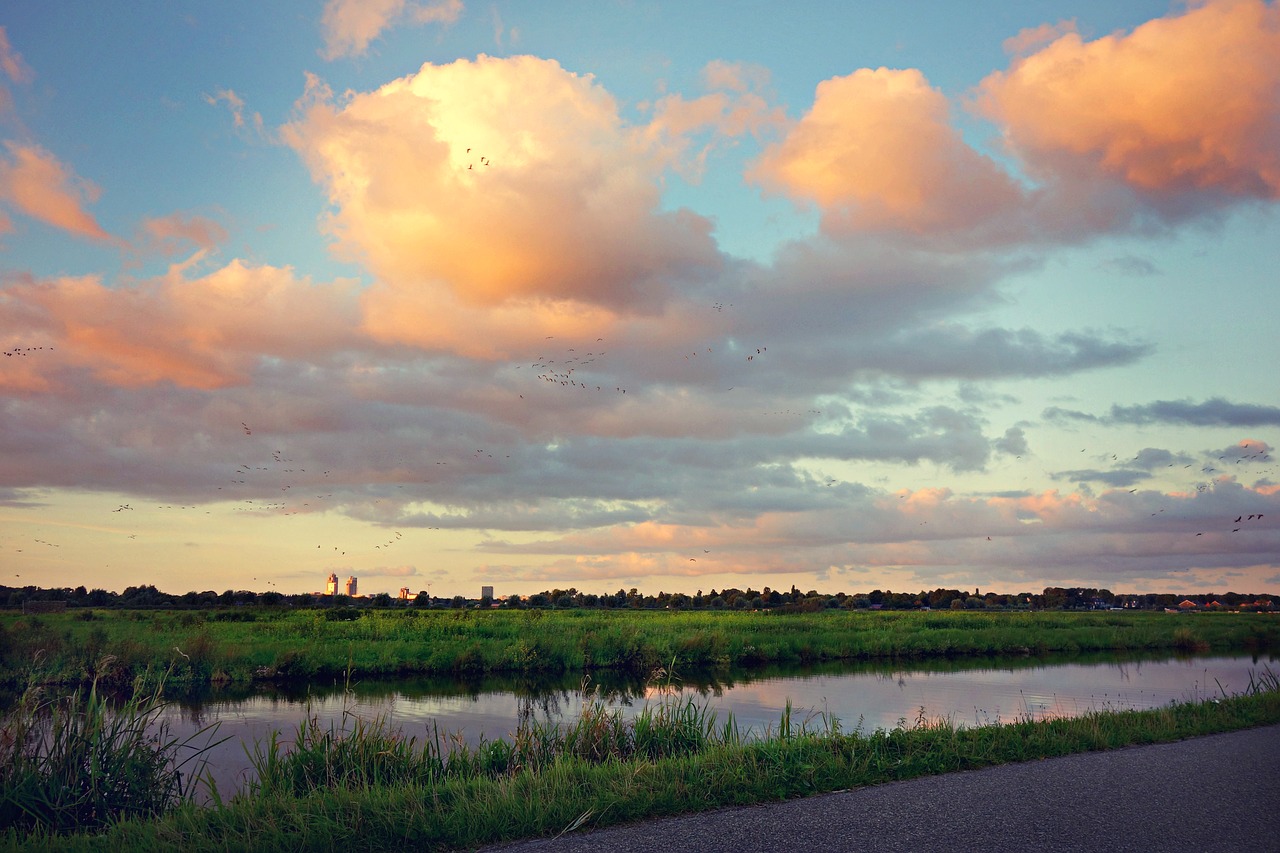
876	151
736	106
235	104
1188	104
1034	38
499	182
349	26
171	234
11	61
206	332
440	12
38	185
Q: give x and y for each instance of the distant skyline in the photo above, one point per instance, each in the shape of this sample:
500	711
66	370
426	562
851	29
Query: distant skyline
671	296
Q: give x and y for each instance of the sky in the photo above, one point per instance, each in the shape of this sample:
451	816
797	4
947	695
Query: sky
674	296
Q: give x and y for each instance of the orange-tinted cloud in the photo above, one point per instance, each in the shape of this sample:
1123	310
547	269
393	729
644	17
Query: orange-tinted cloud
37	184
1183	104
500	182
11	62
734	106
1034	38
172	234
349	26
205	332
14	68
876	151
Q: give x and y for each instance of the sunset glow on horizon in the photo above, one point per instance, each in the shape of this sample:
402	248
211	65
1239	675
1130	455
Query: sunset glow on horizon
673	296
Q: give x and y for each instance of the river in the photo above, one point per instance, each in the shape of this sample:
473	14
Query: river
863	697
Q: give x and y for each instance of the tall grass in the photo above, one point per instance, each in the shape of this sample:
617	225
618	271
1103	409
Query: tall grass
358	753
73	762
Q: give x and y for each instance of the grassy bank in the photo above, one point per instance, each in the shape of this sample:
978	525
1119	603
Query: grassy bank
367	787
283	644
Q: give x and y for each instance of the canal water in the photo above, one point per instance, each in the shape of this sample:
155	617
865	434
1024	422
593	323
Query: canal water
862	697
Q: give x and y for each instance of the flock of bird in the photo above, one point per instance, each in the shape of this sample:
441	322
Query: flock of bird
25	351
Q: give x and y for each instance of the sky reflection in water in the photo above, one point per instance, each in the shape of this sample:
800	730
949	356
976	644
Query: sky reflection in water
866	698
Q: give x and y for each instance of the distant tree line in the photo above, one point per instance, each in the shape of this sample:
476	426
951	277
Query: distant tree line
729	598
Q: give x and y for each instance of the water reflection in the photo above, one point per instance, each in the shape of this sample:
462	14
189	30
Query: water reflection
861	696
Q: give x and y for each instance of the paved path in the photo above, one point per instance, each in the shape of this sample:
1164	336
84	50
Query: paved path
1215	793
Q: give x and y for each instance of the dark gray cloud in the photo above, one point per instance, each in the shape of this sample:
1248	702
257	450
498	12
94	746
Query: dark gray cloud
1121	478
1212	412
1013	442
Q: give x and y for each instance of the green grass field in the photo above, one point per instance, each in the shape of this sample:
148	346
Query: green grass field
257	644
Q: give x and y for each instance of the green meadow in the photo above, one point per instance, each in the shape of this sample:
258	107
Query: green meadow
281	644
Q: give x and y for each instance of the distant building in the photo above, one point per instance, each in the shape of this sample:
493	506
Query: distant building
486	592
351	586
404	593
331	586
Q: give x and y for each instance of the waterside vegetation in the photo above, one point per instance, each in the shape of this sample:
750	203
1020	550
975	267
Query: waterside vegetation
264	644
366	786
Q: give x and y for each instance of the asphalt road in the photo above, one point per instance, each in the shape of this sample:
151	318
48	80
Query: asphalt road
1215	793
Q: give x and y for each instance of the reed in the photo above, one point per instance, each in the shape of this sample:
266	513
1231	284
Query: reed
73	762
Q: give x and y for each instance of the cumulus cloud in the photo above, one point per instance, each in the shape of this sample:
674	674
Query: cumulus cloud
1013	442
506	184
1175	119
38	185
877	151
1182	108
349	26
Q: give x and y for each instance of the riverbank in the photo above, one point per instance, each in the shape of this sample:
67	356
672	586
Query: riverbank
1134	799
371	789
282	645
